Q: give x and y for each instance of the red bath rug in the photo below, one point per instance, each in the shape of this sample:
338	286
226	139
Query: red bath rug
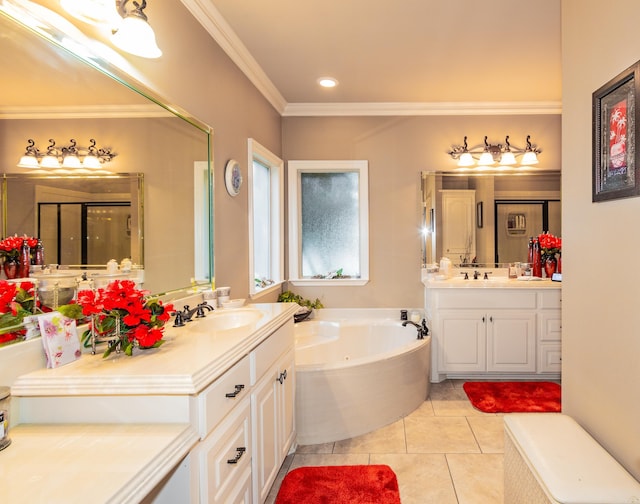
514	397
359	484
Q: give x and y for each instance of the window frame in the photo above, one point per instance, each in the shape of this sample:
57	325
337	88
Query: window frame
294	169
264	156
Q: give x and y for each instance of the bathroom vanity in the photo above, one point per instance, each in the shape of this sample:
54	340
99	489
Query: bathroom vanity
494	328
207	417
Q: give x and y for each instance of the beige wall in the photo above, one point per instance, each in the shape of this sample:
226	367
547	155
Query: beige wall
398	149
601	319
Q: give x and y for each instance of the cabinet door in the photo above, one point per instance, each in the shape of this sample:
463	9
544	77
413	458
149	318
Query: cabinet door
266	456
462	340
458	225
511	341
286	396
225	458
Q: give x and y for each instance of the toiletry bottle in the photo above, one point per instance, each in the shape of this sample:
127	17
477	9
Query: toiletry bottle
530	255
537	260
38	258
25	260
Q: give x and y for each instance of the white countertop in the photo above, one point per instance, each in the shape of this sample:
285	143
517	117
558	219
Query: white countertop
185	364
95	463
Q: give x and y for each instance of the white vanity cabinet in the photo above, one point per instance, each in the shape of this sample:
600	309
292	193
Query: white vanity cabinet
499	331
228	395
478	341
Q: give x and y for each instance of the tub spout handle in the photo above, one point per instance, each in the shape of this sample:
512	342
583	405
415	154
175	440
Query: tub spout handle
423	330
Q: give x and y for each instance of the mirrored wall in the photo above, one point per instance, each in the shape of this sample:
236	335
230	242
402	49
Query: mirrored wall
50	92
486	218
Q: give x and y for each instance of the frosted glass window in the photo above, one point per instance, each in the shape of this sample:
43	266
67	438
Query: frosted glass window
330	224
266	219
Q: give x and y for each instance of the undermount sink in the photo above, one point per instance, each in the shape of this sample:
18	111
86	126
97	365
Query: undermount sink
224	320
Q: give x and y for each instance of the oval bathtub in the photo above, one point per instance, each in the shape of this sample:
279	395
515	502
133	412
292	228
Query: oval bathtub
356	371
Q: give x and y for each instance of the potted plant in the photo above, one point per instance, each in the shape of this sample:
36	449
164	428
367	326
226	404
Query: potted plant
306	305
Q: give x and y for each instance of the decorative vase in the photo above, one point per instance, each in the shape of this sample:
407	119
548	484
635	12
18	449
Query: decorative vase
550	266
559	268
10	267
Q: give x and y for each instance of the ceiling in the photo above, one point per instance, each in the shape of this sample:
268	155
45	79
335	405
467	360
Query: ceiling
412	54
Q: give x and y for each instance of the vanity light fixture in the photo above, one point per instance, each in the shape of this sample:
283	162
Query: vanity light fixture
65	157
135	35
487	154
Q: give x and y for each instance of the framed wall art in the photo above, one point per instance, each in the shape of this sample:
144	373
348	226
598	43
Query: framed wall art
615	129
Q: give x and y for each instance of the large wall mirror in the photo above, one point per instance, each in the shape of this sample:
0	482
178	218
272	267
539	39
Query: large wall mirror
162	168
487	217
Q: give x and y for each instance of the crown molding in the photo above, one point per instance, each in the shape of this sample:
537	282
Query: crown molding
88	112
422	109
212	21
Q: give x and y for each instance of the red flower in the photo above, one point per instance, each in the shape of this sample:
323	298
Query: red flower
121	306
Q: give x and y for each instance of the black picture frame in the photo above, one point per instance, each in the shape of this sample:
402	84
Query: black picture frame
479	214
616	162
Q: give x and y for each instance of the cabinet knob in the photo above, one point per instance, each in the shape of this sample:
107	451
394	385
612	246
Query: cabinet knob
239	453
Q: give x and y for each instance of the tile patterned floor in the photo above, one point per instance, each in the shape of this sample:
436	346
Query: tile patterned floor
445	452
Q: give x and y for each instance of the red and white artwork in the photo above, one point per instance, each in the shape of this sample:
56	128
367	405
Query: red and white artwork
618	138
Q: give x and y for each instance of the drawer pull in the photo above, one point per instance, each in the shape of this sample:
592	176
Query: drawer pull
240	452
235	392
282	377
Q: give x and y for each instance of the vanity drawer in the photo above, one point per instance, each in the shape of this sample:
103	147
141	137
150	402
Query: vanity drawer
550	358
269	350
486	299
225	458
222	395
550	299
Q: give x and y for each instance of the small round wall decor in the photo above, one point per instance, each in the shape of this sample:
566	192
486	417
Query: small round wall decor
232	177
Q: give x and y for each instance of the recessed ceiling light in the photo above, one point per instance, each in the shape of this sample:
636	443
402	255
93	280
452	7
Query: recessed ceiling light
327	82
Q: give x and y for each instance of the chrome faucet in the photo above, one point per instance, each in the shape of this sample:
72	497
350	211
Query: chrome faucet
187	314
422	328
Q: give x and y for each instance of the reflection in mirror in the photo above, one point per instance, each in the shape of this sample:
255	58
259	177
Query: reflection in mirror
80	220
49	92
514	207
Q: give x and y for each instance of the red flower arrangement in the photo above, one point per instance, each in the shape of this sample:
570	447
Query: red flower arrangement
10	246
121	315
17	301
549	245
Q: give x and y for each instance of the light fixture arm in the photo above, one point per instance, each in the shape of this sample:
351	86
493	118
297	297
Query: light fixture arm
32	157
496	150
137	11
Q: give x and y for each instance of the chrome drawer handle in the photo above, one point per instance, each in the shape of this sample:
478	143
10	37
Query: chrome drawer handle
240	452
235	392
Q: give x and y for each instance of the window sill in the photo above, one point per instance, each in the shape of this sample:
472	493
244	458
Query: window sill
329	282
266	290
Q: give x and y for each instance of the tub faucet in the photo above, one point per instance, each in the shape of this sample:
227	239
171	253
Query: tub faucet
422	328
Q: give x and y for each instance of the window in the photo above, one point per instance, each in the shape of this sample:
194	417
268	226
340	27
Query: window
328	222
266	219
